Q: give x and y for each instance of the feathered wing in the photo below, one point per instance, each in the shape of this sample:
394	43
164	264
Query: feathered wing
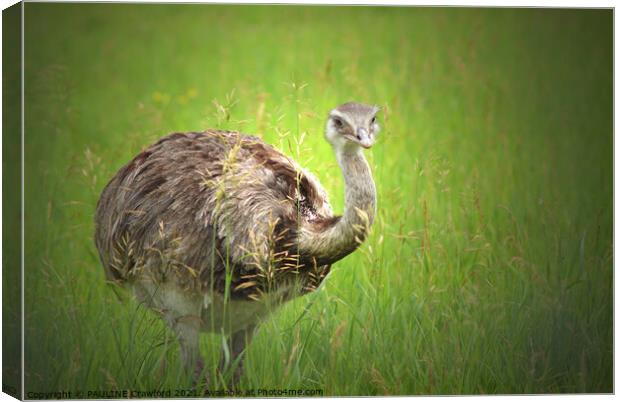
195	206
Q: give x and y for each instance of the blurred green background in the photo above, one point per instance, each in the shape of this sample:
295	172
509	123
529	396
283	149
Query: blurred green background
489	269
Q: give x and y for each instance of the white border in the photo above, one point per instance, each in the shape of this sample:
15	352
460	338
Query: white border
479	3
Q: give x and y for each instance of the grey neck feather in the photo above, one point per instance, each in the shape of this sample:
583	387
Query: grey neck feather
333	242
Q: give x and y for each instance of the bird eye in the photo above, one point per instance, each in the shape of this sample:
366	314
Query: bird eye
373	120
337	122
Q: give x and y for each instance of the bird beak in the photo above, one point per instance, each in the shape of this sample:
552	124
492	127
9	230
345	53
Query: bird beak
364	138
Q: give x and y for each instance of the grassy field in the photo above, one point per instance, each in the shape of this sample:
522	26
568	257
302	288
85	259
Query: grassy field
489	269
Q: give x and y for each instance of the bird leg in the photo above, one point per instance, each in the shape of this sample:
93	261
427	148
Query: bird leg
181	311
188	330
182	314
237	344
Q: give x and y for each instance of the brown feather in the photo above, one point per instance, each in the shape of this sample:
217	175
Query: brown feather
194	206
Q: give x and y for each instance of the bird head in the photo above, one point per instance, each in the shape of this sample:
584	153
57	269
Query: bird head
351	126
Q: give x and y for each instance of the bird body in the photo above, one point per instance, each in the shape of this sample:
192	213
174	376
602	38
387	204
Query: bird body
214	229
194	204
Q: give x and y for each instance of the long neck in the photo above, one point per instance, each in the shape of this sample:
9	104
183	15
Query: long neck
329	242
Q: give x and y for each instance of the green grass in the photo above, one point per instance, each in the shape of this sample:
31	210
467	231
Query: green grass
489	269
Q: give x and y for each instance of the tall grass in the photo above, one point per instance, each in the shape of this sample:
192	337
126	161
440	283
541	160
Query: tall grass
489	268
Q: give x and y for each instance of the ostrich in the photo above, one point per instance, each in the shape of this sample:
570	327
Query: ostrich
215	229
